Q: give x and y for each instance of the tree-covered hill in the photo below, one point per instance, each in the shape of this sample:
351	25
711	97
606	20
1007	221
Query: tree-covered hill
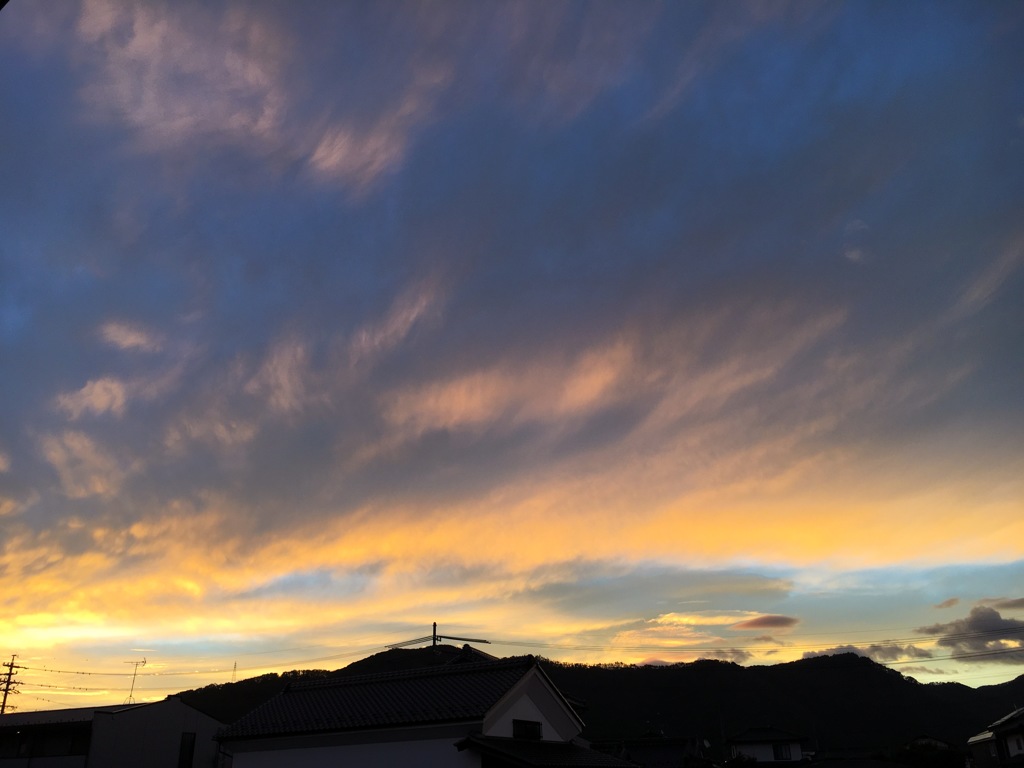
840	703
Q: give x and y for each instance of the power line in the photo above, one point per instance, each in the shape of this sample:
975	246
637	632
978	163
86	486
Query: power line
378	646
597	646
64	687
77	672
957	656
48	701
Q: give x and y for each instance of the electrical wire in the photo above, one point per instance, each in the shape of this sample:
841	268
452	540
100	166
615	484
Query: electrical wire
62	687
595	647
48	701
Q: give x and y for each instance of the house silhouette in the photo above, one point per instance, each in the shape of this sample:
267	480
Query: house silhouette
477	714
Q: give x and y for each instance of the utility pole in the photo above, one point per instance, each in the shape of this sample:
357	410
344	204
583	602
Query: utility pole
433	637
9	682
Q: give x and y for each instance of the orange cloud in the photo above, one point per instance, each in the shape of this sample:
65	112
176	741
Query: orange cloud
97	396
85	469
126	336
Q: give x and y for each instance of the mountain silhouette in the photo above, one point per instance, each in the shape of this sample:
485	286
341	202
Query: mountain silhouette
841	704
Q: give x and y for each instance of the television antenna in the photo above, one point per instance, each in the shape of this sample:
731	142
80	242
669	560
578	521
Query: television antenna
131	697
434	637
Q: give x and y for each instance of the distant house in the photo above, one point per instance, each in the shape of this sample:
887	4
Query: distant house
1001	745
767	745
491	714
929	743
162	734
55	733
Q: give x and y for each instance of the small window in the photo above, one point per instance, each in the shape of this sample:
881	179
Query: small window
782	752
527	729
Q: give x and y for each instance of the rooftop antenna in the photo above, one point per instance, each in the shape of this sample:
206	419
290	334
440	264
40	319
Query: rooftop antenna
434	637
131	697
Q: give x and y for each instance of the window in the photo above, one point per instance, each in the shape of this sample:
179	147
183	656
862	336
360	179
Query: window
782	751
527	729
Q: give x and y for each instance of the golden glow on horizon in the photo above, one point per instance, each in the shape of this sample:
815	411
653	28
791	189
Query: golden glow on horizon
705	531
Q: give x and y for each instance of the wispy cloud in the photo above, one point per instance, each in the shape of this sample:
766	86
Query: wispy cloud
409	308
127	336
359	156
543	391
179	77
84	467
97	396
984	285
282	377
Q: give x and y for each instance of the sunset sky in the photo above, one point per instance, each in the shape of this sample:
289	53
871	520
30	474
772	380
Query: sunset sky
623	331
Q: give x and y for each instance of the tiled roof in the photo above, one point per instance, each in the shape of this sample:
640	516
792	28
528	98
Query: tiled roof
541	754
451	693
1017	713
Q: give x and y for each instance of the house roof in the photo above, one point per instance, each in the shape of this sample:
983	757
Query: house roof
434	695
1007	719
526	753
52	716
1001	725
79	714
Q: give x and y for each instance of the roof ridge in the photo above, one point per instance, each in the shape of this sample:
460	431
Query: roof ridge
442	670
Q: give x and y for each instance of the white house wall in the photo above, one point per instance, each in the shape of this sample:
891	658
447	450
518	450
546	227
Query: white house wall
523	709
532	699
1015	745
150	735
